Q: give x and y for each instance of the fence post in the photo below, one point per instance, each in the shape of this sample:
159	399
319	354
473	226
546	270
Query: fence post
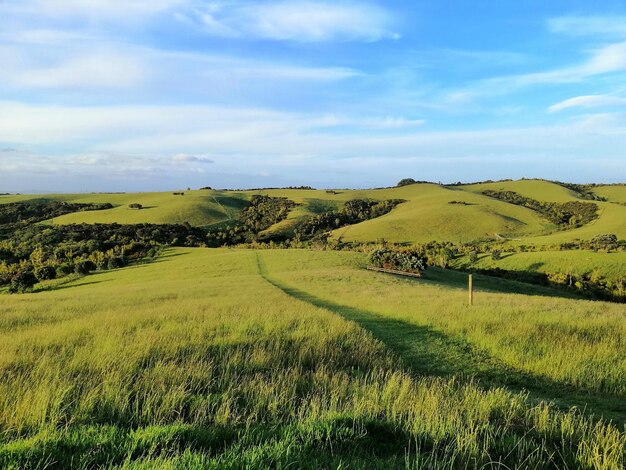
471	290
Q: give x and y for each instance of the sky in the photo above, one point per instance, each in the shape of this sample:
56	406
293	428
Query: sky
140	95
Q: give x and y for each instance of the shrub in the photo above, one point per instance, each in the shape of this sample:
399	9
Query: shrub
401	260
65	269
23	281
84	267
473	256
135	206
496	255
406	182
116	262
46	273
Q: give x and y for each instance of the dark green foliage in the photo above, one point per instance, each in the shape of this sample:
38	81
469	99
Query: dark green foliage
45	273
117	262
265	211
407	260
473	256
35	211
353	212
61	250
64	269
496	255
23	281
261	214
406	182
135	206
84	267
583	191
605	241
568	214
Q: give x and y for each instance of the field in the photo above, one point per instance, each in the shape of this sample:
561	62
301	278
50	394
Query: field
302	359
609	265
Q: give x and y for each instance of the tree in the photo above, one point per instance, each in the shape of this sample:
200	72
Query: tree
496	255
84	267
45	273
23	281
473	256
406	182
135	206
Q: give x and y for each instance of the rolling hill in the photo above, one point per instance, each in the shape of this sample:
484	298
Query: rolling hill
431	211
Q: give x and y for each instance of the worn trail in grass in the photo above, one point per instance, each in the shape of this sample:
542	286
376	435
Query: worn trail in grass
427	351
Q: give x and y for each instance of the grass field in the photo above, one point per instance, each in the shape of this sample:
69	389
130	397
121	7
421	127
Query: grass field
609	265
234	358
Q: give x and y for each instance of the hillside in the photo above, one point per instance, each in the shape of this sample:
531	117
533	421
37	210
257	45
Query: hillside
301	359
198	208
428	213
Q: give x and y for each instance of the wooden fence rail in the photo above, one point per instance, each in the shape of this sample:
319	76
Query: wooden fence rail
393	271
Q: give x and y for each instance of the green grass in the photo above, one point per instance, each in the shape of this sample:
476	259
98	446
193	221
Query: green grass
199	208
609	265
539	190
300	359
614	193
426	216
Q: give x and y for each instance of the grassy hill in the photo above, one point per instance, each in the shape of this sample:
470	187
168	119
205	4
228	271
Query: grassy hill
540	190
612	217
427	215
199	208
614	193
276	359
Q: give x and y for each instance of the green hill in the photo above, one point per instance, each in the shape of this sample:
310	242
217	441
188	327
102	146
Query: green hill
431	211
198	208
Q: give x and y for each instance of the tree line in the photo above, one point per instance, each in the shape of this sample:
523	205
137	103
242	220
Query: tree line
564	214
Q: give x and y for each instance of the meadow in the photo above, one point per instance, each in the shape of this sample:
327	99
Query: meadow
232	358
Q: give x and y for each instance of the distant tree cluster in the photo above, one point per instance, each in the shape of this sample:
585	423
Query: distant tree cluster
37	253
29	212
261	214
583	191
567	214
353	212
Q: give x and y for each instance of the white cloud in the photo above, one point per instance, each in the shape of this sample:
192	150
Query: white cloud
588	101
124	10
185	158
300	20
100	69
589	25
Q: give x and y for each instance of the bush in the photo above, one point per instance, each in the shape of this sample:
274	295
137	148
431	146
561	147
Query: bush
135	206
84	267
473	257
23	281
116	262
401	260
406	182
496	255
65	269
46	273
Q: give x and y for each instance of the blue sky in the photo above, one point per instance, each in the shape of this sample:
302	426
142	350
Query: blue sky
158	94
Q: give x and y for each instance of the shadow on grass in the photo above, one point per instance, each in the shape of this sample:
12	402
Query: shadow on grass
427	351
458	279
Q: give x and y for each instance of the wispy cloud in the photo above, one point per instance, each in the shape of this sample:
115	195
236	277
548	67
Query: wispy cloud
588	101
94	10
299	20
598	26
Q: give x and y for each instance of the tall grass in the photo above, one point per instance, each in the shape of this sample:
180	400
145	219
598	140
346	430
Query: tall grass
197	361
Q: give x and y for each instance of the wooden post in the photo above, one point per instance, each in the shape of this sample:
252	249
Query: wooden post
471	290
